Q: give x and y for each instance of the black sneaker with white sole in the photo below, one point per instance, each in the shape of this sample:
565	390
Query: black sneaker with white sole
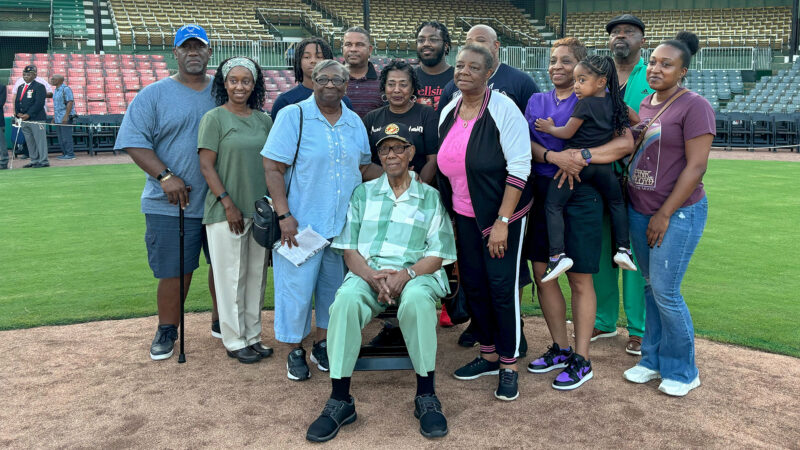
296	366
556	267
478	367
507	385
164	342
215	330
334	416
432	422
319	355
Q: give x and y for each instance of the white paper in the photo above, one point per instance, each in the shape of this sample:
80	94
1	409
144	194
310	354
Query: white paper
309	244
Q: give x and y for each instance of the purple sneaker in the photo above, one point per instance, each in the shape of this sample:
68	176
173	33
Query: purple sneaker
578	371
554	358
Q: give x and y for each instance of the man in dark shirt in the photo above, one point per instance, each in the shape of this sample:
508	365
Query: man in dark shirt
509	81
3	149
29	106
433	73
363	87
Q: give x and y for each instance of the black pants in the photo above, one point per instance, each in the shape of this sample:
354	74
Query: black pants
491	284
602	178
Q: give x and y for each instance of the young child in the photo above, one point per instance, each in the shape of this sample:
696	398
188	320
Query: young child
597	118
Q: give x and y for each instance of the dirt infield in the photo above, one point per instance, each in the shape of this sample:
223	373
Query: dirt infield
93	385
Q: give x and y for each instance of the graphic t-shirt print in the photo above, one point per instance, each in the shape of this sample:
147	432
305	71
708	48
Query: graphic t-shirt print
645	165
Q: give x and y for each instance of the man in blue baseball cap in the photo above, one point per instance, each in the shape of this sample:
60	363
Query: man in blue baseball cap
159	132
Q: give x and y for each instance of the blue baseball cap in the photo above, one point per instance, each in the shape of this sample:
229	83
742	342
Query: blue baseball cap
190	31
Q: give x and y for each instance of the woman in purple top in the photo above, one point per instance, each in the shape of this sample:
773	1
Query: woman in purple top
583	221
667	213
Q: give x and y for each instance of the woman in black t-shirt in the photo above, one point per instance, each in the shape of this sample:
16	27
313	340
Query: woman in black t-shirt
398	83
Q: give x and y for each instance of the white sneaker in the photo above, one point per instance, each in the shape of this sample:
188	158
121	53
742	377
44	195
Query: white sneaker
676	388
623	259
640	374
556	268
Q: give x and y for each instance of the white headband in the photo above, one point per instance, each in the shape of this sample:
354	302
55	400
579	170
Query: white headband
239	61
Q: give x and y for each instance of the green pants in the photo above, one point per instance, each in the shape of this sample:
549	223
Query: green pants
356	304
606	286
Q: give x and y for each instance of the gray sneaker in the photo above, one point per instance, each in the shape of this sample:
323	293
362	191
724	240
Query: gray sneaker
164	342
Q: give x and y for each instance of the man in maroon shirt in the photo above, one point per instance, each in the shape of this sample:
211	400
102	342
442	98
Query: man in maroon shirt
363	89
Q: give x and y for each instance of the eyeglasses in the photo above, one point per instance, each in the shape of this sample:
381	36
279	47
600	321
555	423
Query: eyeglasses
433	40
323	81
396	149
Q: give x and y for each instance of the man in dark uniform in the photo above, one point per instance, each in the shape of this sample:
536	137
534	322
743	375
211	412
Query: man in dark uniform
29	106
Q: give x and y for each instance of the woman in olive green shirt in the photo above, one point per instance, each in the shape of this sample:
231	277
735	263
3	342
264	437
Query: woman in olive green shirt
230	140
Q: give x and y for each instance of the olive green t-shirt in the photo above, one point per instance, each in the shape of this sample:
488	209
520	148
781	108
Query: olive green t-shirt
238	142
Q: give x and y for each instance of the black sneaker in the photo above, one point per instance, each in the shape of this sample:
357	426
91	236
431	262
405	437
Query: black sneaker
578	371
389	336
262	349
507	385
164	342
215	331
428	410
296	367
556	268
554	358
335	414
477	368
245	355
467	339
319	355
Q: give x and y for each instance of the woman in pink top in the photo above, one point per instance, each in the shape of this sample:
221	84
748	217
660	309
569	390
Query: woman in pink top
484	161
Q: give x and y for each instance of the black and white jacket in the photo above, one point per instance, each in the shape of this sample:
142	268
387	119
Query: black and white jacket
498	155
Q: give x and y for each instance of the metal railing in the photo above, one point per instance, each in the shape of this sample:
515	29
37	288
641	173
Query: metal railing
526	58
503	29
268	54
273	30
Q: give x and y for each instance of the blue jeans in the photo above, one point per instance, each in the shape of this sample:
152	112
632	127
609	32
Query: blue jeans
668	343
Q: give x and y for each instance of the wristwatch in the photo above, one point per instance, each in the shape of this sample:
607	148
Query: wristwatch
221	196
283	216
502	219
411	273
587	155
163	174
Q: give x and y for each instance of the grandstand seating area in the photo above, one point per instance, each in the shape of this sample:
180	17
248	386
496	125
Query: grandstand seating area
458	15
772	94
750	27
69	20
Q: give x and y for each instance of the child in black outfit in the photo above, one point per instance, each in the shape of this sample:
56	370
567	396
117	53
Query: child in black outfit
597	118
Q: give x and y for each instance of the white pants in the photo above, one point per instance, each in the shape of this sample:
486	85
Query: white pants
240	278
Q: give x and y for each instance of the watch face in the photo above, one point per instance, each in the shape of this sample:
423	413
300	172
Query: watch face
586	154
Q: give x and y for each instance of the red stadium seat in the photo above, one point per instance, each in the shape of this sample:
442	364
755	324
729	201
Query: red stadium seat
78	95
112	71
159	65
141	57
95	96
129	96
74	82
128	64
113	87
157	57
112	63
161	73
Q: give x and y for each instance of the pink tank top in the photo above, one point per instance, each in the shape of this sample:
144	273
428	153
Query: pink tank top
452	162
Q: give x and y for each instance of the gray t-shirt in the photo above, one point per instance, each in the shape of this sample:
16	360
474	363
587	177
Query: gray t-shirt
164	117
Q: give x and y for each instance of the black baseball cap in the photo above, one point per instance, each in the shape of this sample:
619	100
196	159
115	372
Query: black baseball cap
30	69
629	19
394	130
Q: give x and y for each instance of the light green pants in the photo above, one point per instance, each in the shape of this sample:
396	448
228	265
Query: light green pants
606	286
356	304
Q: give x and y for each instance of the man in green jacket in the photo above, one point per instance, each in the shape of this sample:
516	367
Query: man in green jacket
626	37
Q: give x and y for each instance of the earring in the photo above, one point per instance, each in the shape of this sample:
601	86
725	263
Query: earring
384	98
413	99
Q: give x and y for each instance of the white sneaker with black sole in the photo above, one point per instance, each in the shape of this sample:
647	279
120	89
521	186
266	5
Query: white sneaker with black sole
557	267
623	259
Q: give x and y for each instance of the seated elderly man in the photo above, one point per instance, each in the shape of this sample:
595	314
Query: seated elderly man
395	241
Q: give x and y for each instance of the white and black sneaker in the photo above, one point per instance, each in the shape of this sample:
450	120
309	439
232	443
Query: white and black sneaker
164	342
555	267
215	330
296	366
623	259
319	355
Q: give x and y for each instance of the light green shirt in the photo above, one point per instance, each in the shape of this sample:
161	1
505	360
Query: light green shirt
238	142
637	88
395	233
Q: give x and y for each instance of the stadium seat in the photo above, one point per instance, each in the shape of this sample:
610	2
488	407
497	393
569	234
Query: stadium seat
723	125
763	130
741	131
785	130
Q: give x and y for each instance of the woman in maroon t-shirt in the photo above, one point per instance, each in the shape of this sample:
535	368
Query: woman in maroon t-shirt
667	213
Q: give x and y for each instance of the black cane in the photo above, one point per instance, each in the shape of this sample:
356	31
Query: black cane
182	355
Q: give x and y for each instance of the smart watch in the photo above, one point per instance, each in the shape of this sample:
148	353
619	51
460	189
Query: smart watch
587	155
283	216
221	196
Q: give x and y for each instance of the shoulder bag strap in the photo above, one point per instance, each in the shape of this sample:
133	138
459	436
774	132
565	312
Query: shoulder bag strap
296	151
641	137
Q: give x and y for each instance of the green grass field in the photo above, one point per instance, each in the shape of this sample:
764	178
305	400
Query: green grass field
73	251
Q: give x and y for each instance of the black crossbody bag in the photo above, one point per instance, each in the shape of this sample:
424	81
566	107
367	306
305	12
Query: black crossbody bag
266	229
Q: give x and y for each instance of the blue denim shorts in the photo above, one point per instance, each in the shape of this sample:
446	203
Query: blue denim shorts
163	244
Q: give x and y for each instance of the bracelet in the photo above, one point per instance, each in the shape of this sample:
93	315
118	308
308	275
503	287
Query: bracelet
164	174
221	196
544	157
165	178
283	216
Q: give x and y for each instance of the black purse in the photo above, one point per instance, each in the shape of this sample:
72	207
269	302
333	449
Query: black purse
456	301
266	229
